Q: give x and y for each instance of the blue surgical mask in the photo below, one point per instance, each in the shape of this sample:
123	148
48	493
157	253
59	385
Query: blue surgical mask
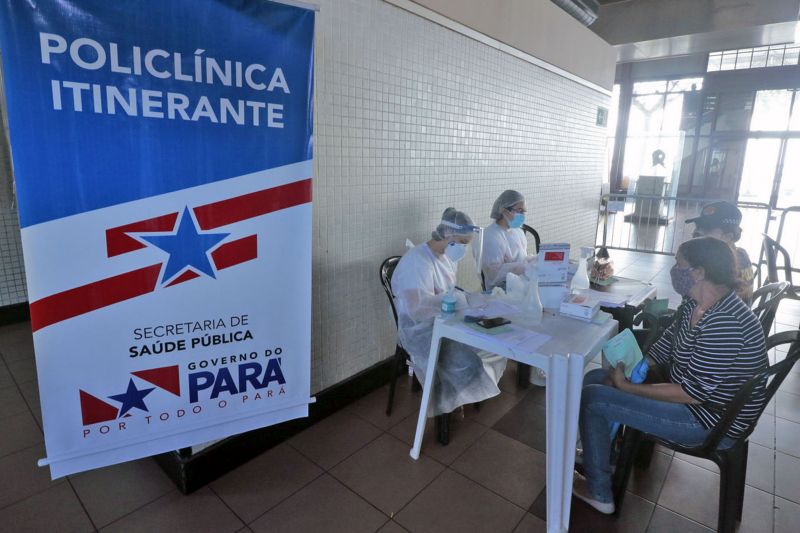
517	220
682	280
455	251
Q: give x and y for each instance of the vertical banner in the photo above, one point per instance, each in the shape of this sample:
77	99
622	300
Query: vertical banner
163	160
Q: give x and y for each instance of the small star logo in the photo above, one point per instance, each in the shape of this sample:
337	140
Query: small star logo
133	397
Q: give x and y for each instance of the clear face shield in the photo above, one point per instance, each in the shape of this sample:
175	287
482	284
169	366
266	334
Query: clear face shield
476	232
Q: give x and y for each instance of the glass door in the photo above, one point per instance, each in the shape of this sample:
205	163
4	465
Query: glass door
759	169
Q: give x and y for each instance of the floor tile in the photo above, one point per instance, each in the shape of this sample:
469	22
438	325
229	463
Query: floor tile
665	521
335	438
787	516
787	436
28	478
22	369
788	406
761	467
198	512
633	517
531	524
453	503
372	407
647	483
19	432
764	434
30	392
11	402
506	466
392	527
787	477
5	376
383	473
263	482
463	433
494	408
526	423
791	384
55	510
758	512
699	503
508	383
323	505
708	464
112	492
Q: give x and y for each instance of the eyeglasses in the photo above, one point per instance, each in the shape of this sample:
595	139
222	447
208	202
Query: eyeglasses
519	210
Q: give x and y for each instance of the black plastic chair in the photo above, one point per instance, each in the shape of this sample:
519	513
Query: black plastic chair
766	301
400	354
732	462
530	231
772	250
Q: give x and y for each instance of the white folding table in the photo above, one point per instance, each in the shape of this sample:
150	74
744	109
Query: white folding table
573	343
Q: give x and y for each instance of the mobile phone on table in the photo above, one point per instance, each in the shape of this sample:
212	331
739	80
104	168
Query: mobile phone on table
489	323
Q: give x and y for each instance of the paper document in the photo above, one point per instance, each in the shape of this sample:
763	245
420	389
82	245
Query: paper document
492	309
624	349
523	339
609	299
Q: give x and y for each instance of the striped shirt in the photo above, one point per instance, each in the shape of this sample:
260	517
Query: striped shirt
713	359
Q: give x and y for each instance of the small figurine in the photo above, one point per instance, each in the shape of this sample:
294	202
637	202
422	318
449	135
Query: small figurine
603	266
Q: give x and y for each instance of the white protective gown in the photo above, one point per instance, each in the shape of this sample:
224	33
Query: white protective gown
504	251
464	375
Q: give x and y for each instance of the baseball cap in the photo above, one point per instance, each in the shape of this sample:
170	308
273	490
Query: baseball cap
718	214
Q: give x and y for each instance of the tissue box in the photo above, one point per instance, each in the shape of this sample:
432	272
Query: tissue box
581	306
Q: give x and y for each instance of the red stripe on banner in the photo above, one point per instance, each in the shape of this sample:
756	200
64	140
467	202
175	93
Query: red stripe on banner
80	300
235	252
118	243
186	276
251	205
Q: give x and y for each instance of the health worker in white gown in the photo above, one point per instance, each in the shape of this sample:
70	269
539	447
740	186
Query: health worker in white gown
424	275
505	248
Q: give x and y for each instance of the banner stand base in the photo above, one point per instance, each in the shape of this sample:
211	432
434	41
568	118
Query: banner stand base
190	471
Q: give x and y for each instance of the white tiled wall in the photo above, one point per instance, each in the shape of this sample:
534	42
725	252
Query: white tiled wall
412	118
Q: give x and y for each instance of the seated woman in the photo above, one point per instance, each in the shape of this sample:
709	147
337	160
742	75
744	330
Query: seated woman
714	345
424	275
504	243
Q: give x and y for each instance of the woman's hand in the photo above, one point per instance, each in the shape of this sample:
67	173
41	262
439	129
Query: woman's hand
618	378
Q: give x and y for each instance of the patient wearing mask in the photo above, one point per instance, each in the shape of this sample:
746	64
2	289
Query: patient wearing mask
505	248
424	275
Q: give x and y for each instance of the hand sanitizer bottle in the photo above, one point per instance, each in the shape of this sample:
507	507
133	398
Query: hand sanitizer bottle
448	304
581	278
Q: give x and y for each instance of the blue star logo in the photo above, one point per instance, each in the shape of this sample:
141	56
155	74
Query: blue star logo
133	397
187	248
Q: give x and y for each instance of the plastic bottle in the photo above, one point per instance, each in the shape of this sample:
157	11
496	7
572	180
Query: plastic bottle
534	302
448	304
581	278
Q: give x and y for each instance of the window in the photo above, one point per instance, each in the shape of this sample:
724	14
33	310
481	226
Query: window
746	58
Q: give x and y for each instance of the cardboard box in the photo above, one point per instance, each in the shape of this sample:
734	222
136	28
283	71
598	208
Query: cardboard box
581	306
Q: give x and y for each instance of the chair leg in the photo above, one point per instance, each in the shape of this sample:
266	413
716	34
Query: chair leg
398	362
728	495
644	454
739	465
443	429
523	375
631	440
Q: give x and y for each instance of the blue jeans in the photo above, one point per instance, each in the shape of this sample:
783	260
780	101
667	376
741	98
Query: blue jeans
603	404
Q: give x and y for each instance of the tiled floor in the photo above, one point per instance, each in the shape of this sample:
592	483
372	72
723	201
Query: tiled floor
351	472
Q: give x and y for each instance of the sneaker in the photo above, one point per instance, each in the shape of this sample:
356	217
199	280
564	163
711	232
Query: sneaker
581	491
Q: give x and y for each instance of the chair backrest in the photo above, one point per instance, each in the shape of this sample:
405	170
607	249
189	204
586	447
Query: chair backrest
765	303
773	376
530	231
387	270
771	252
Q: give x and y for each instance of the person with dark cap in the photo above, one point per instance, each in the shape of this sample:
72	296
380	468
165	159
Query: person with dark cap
722	220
